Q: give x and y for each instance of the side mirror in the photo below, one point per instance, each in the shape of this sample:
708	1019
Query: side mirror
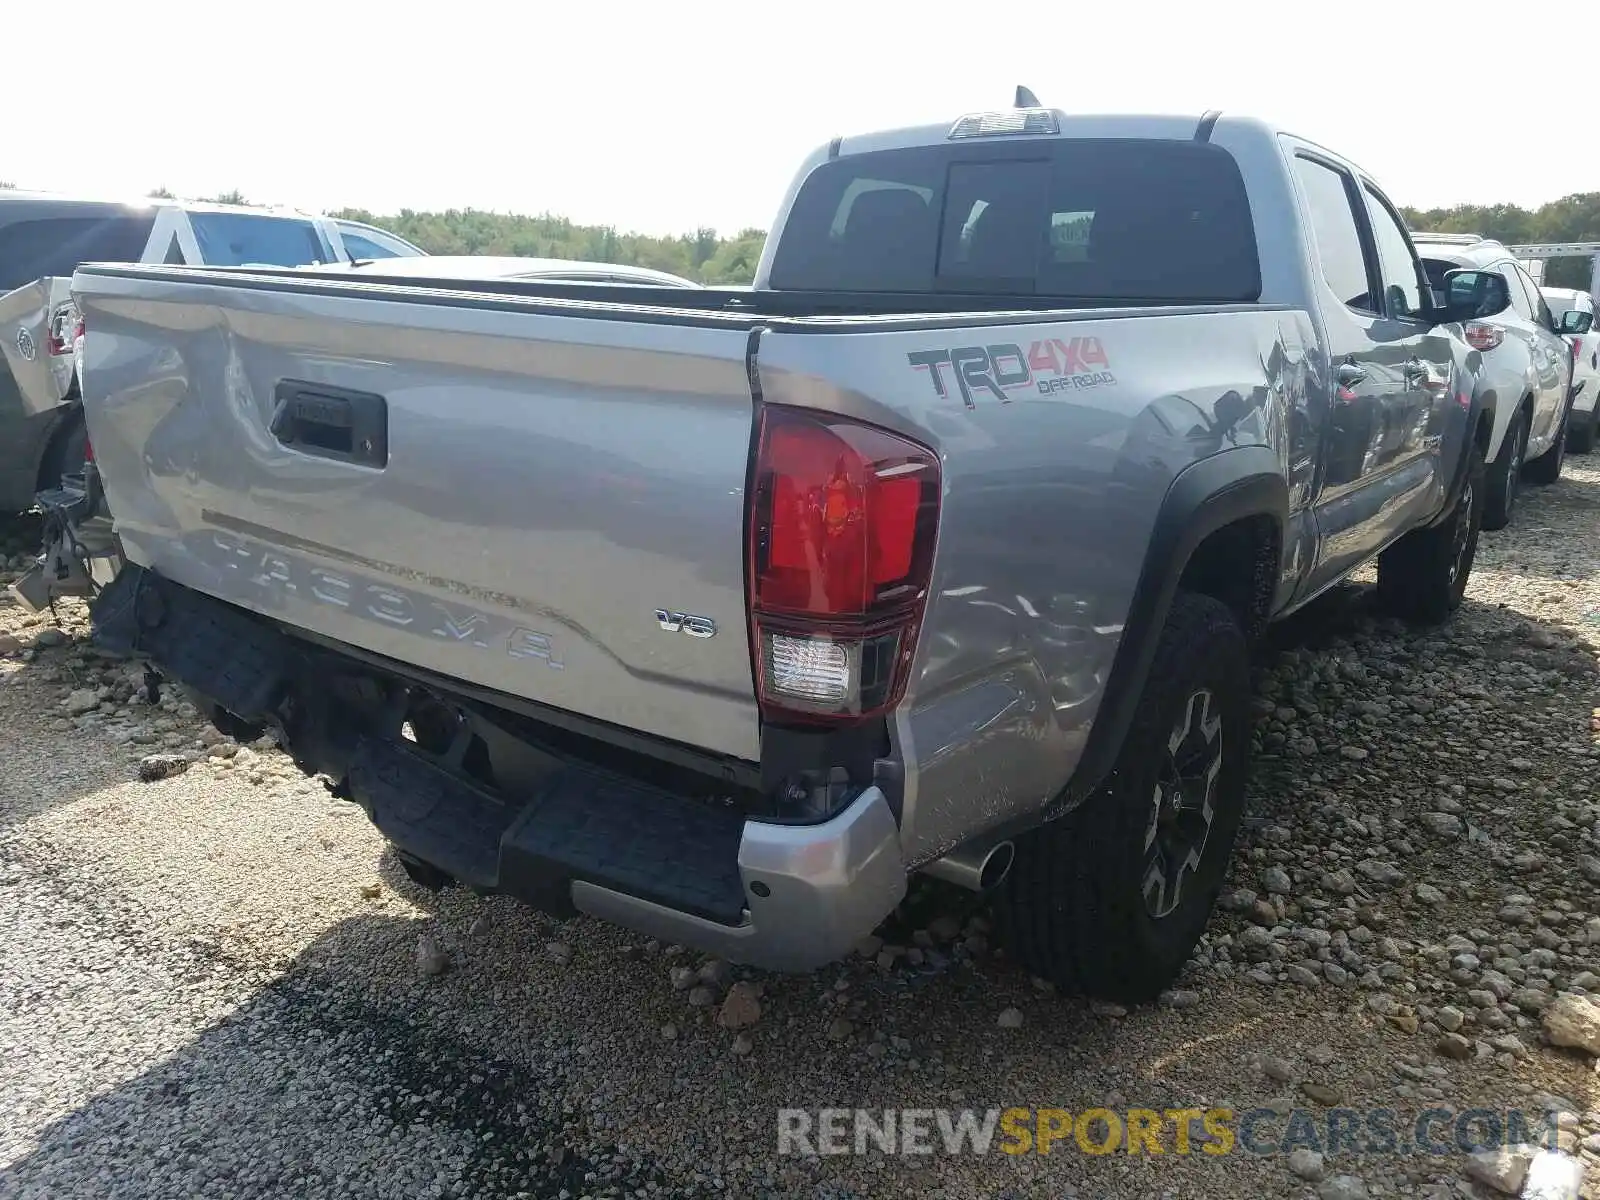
1575	321
1472	296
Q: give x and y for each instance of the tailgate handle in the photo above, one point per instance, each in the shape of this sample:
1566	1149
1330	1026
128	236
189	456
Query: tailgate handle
331	422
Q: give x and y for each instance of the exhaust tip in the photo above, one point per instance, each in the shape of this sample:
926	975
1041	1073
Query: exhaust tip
996	866
977	870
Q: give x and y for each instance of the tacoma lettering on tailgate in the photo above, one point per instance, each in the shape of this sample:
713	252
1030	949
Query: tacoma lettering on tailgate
277	576
1056	365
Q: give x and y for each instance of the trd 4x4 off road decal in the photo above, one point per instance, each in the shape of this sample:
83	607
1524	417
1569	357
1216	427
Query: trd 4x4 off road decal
1057	365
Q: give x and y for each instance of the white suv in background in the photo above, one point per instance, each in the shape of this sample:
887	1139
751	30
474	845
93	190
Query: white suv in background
1526	374
1585	367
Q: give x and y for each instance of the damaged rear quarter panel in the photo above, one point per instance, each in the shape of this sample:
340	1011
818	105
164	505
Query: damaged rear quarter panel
1059	439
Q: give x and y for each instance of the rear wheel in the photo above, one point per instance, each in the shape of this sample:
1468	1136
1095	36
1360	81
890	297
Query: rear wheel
1423	576
1111	899
1546	469
1504	478
1581	430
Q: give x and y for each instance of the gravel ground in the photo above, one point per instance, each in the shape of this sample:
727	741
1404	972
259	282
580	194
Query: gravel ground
220	984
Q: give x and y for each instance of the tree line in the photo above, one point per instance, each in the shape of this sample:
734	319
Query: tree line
703	255
710	258
1574	218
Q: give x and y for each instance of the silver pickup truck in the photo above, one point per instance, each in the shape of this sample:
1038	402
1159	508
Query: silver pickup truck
719	613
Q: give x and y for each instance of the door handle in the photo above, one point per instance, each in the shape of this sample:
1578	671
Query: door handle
1348	375
331	422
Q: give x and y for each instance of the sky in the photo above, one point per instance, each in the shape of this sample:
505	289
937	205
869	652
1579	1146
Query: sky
662	118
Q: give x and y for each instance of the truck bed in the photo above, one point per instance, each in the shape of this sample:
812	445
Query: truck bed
676	305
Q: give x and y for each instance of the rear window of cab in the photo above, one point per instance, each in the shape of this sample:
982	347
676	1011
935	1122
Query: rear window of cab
1123	220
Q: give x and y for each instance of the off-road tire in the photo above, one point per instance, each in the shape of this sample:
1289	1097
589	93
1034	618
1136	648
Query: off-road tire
1546	469
1504	478
1423	576
1073	908
1581	431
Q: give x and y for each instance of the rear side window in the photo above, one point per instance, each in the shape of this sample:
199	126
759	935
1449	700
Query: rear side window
359	247
1536	300
1520	303
1397	269
362	242
1333	224
246	240
32	249
1089	219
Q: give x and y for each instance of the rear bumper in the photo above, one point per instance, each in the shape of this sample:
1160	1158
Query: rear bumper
575	837
813	891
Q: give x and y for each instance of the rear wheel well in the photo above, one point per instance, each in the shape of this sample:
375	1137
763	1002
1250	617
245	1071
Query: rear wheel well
1238	565
68	433
1483	435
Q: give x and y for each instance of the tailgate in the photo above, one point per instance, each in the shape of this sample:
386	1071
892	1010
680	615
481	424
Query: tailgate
498	489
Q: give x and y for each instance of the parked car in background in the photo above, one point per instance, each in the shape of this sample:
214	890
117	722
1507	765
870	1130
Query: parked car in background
1581	425
43	239
1527	366
488	266
720	612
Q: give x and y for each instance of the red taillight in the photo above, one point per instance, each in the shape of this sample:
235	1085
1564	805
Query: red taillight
88	450
66	326
841	552
1483	337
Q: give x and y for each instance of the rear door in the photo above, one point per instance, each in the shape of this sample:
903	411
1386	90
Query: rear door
1585	356
1519	323
1376	471
1425	373
1552	362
